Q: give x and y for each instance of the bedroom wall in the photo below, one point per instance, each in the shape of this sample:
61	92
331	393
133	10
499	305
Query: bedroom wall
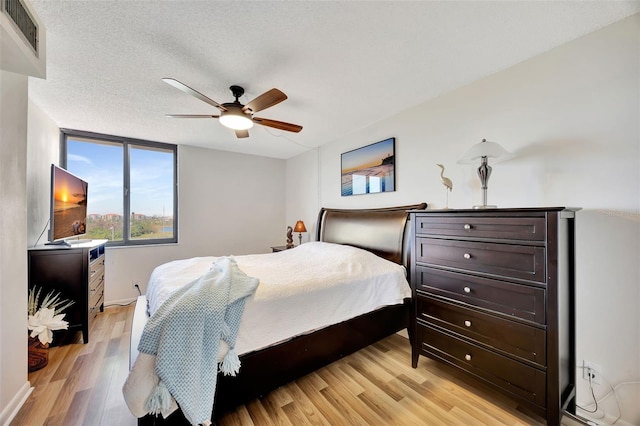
14	386
302	197
43	149
228	204
571	117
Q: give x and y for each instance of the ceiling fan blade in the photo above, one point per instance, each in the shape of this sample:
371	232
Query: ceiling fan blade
266	100
278	124
191	116
188	90
242	133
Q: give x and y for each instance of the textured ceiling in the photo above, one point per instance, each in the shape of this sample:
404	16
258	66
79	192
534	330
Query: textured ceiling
344	65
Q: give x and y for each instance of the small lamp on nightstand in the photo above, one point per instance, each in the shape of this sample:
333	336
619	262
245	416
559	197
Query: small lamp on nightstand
300	228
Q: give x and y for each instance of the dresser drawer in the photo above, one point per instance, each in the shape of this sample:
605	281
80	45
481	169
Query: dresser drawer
93	310
96	268
517	300
96	292
502	227
96	282
520	340
515	377
506	260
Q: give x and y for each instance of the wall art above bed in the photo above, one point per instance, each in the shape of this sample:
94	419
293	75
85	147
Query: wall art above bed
369	169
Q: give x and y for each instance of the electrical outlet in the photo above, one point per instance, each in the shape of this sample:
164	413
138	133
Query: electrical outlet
591	370
136	285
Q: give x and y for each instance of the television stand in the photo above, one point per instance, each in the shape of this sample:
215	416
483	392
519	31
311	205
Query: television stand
58	243
79	241
77	271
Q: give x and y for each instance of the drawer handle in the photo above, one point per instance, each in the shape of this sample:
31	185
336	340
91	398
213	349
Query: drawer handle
467	226
467	290
467	357
467	256
467	323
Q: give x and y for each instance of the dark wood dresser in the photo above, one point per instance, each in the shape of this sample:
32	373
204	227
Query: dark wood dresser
493	294
78	273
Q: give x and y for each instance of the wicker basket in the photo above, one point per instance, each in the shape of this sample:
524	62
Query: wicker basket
38	354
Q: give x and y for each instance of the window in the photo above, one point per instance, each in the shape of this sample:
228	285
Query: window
132	195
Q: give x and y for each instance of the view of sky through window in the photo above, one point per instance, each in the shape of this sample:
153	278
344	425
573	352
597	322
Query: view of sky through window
101	165
105	165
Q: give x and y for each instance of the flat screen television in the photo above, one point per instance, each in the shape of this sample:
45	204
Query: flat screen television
68	206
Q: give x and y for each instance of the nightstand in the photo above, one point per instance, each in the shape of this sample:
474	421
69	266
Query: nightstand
275	249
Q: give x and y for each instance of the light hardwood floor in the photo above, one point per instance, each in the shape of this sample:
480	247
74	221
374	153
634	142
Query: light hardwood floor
82	385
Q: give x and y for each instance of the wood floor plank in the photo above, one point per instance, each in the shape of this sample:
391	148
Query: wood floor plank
429	410
281	396
257	412
381	402
39	405
425	392
295	415
328	411
352	386
82	385
67	392
78	408
238	417
371	376
64	367
56	360
315	381
346	411
311	412
274	411
426	414
340	395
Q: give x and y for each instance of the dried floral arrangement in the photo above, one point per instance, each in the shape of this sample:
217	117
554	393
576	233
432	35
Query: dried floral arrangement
46	316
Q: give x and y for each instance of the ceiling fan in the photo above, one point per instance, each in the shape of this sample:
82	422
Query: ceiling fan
235	115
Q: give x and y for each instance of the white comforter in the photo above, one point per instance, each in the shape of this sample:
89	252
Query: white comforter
301	290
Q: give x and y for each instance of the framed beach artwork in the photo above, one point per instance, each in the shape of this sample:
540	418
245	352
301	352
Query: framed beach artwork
369	169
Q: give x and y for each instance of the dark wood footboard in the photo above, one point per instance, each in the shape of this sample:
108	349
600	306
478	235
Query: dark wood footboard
265	370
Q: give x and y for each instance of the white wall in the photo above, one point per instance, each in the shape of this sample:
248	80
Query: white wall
302	196
228	204
571	116
13	243
43	149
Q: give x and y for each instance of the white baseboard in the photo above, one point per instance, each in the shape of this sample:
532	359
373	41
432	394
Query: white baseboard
10	411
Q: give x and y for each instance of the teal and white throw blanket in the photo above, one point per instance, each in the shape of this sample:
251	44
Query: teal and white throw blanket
184	335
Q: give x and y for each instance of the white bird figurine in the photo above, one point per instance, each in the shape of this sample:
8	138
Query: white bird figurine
446	182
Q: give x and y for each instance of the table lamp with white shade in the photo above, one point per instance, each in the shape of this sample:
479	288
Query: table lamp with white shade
483	151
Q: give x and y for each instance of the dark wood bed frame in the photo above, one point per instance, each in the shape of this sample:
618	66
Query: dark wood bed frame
384	232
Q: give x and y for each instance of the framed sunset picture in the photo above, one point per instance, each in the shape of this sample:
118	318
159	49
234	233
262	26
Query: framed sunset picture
369	169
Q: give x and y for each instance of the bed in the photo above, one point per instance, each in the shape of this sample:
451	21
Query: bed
383	232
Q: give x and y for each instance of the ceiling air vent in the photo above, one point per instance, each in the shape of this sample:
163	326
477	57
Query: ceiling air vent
19	15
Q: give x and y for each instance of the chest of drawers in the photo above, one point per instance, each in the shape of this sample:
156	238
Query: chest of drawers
78	273
493	294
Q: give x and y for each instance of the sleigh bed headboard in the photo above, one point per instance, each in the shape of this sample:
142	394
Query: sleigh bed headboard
383	231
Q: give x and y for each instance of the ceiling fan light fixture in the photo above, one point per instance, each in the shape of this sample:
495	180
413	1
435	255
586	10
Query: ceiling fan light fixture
235	119
235	115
